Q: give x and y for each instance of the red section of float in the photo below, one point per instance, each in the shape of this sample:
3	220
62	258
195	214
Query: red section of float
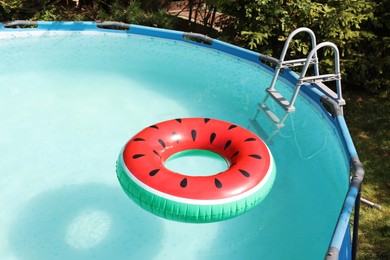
247	155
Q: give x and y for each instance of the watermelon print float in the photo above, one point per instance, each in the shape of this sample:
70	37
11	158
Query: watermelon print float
196	199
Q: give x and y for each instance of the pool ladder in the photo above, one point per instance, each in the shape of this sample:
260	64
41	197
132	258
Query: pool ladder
311	59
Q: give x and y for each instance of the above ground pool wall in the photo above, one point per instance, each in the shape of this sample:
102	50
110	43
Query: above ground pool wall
340	245
116	27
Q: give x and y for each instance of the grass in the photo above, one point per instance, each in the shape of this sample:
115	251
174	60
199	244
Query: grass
368	119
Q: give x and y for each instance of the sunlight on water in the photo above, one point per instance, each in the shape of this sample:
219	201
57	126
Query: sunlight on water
88	229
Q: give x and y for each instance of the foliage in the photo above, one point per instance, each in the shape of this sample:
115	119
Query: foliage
136	12
262	24
39	9
131	11
375	54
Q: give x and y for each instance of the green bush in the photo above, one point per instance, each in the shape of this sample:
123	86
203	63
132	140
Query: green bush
360	29
136	12
132	11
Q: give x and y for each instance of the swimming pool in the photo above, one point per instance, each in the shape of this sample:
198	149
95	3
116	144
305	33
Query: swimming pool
74	94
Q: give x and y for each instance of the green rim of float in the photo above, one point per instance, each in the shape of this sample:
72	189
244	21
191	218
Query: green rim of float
201	199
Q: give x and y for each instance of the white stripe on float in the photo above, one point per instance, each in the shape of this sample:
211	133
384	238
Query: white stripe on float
197	201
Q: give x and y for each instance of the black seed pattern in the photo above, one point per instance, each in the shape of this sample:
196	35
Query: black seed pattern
156	153
235	154
228	143
245	173
217	183
183	183
161	142
193	135
255	156
212	137
154	172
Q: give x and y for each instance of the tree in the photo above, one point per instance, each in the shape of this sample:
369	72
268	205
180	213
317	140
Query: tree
356	27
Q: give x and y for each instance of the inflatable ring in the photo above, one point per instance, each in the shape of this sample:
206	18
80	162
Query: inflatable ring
196	199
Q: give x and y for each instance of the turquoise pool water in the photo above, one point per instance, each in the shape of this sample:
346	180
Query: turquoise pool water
69	101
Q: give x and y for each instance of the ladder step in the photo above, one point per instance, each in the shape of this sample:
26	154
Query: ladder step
280	100
295	63
271	115
321	78
259	129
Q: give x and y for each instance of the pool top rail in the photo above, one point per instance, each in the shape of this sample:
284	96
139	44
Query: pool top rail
315	91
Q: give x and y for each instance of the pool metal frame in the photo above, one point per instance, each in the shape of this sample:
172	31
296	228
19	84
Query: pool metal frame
341	246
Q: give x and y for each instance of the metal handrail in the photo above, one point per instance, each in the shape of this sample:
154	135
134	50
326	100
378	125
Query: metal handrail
282	63
291	36
320	78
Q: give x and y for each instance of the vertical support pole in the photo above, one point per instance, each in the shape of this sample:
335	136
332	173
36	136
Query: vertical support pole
355	226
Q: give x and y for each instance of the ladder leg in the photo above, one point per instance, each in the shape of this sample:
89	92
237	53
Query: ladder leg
281	123
256	114
273	82
259	107
294	97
